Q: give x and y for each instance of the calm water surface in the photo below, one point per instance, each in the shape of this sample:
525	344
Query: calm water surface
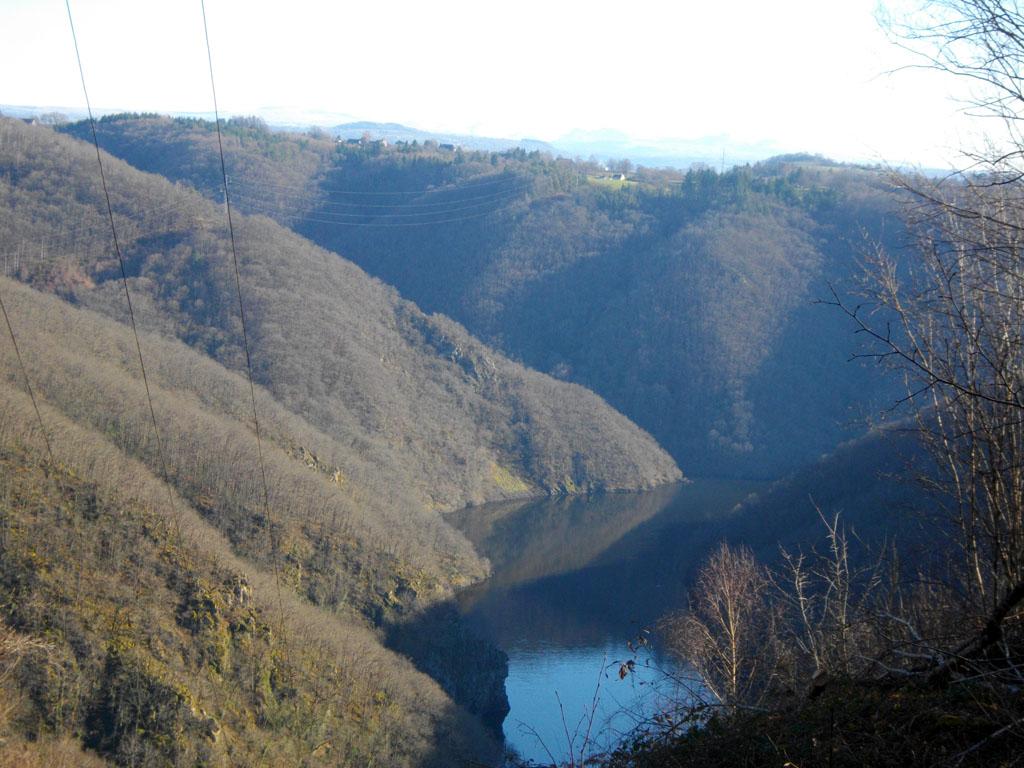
574	581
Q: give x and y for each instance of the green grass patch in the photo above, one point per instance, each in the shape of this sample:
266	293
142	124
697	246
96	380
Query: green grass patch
616	184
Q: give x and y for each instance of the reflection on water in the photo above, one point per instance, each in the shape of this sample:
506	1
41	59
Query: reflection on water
562	697
574	580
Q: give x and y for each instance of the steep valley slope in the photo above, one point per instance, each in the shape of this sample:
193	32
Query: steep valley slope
446	417
170	620
241	620
687	300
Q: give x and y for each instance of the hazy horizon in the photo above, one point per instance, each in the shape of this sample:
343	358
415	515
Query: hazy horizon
798	76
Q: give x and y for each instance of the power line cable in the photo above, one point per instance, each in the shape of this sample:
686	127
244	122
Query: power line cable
241	312
454	186
28	382
61	247
383	225
295	205
314	194
124	274
71	235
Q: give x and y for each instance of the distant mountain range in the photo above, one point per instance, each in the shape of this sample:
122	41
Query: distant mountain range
603	145
720	152
397	132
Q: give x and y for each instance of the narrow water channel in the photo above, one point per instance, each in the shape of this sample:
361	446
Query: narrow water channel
574	582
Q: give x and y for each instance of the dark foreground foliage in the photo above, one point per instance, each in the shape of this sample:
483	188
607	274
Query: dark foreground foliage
848	723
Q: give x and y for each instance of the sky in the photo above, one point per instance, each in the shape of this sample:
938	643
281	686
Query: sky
800	75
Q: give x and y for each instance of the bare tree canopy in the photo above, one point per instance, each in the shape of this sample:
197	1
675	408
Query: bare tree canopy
948	312
982	43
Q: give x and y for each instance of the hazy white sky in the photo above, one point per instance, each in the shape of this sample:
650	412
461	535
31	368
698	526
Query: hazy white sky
804	74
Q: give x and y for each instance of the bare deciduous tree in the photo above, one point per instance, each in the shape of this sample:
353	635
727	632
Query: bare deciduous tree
951	317
728	634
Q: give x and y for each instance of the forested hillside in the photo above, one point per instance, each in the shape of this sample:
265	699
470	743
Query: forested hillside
685	299
253	631
178	624
435	412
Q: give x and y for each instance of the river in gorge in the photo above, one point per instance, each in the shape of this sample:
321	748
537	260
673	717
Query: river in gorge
575	581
